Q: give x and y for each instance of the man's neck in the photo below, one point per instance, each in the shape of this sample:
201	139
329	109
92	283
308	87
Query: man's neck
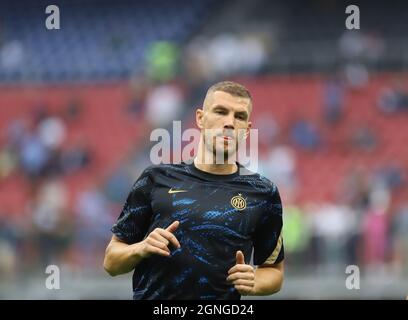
225	168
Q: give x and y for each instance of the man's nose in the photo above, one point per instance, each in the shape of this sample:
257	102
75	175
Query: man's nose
229	122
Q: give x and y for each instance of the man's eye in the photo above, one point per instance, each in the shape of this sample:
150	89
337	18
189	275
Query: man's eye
219	112
241	117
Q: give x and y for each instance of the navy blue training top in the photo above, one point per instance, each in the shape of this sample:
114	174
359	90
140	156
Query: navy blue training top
218	215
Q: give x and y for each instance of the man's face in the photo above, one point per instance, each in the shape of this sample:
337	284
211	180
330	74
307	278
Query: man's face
224	121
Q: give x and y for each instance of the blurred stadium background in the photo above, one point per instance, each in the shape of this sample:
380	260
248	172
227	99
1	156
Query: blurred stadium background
77	106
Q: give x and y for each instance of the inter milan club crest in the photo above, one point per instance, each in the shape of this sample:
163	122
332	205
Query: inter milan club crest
238	202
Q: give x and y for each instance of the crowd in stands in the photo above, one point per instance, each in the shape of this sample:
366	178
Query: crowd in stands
361	223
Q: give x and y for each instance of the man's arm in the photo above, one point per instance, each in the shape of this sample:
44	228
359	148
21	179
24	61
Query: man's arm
121	257
268	279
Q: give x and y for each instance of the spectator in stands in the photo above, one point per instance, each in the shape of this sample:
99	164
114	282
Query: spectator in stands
33	156
117	183
138	89
270	129
355	189
8	162
305	135
93	221
352	242
76	157
281	166
224	52
40	112
333	103
10	155
12	55
351	45
364	47
391	174
52	224
162	59
374	47
364	138
52	132
331	226
393	98
198	65
16	132
375	229
356	75
164	104
399	227
73	108
229	54
53	167
9	239
297	235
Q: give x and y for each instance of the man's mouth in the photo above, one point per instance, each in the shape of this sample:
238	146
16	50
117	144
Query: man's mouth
227	136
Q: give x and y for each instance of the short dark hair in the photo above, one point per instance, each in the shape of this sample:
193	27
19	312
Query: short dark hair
233	88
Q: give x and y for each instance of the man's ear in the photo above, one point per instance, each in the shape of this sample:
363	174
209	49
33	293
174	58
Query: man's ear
199	118
247	130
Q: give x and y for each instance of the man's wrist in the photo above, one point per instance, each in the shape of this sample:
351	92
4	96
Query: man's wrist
136	251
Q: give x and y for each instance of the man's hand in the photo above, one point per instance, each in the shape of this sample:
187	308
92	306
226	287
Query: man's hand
158	240
242	275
